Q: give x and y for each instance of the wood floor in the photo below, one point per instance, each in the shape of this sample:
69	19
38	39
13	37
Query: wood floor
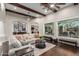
62	50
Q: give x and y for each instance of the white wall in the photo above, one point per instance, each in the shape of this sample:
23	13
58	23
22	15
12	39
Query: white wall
1	29
11	18
7	25
66	13
2	32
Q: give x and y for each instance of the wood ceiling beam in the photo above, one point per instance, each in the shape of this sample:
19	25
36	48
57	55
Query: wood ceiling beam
26	8
19	13
75	4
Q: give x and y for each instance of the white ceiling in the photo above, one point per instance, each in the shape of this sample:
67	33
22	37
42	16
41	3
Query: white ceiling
35	6
17	9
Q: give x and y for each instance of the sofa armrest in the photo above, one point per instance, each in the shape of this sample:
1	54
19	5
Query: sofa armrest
12	51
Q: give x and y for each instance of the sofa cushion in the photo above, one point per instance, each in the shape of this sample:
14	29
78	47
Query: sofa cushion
14	43
19	37
24	43
25	36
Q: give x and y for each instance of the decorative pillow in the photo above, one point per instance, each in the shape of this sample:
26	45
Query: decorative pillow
15	45
19	37
24	43
36	35
30	36
25	36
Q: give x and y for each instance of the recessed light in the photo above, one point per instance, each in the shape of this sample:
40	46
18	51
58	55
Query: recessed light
15	8
46	10
28	12
52	5
37	15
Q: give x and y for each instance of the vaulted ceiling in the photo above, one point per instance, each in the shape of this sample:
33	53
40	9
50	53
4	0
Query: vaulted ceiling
35	10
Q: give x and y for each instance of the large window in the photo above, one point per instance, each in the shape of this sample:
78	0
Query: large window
69	28
49	27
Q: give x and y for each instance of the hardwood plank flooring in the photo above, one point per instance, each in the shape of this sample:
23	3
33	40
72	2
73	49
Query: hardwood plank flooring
62	50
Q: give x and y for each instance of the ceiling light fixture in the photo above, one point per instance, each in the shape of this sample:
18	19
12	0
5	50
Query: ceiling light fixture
52	5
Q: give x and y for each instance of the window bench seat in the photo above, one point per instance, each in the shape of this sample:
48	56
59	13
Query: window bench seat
69	42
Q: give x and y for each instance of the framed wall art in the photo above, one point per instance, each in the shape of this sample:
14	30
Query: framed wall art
19	28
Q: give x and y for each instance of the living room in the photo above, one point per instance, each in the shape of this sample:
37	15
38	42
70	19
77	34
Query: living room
39	29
